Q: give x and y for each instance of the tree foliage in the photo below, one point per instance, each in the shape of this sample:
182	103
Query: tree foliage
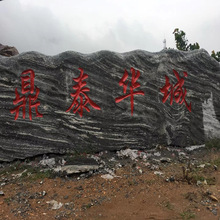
182	42
216	55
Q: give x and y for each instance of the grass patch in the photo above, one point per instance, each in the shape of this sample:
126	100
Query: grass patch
37	173
150	182
132	182
197	177
10	169
213	143
187	215
192	173
211	181
86	206
216	162
167	205
31	173
191	196
8	200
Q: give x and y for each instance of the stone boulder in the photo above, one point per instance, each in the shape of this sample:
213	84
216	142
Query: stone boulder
110	124
8	51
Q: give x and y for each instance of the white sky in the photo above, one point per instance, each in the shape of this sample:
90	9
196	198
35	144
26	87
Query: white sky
54	26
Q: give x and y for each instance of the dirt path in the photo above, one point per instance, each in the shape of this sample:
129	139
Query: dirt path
139	190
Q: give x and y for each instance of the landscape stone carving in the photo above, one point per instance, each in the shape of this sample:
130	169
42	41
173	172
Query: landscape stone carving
112	127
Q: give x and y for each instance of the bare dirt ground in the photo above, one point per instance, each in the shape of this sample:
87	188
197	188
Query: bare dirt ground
139	189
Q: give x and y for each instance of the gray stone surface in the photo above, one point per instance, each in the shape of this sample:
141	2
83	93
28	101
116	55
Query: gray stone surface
71	169
153	122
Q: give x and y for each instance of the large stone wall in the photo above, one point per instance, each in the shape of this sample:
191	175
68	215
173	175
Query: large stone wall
113	127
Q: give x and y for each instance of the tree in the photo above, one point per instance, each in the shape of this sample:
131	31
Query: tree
194	46
182	42
216	55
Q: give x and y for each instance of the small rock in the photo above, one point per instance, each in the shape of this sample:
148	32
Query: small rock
195	147
213	198
112	159
48	162
55	204
144	157
2	193
201	166
79	188
157	154
147	164
140	171
158	173
107	177
62	162
19	174
215	167
154	167
71	169
182	154
199	183
118	165
170	179
128	153
165	160
214	211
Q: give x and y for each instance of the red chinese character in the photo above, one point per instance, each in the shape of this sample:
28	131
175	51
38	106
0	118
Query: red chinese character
176	91
80	91
27	85
133	86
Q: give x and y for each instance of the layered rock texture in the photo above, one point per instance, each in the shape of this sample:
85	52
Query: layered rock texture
113	126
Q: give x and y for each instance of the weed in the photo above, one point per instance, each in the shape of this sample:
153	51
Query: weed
86	206
31	173
38	174
187	171
167	205
213	143
8	200
197	177
211	181
132	182
216	162
150	182
191	196
187	215
194	174
10	169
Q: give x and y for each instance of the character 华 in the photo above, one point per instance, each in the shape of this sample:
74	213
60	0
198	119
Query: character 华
134	85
